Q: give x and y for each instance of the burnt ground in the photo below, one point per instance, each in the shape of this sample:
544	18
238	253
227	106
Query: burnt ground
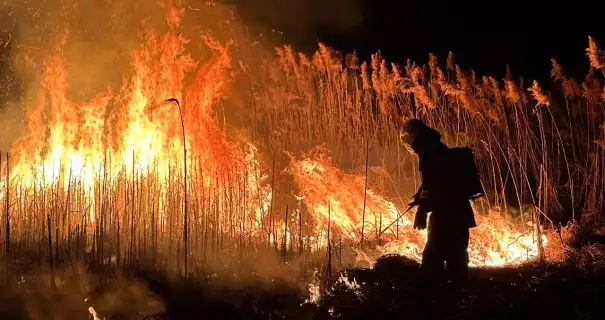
394	288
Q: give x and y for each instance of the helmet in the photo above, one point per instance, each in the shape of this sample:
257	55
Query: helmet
415	127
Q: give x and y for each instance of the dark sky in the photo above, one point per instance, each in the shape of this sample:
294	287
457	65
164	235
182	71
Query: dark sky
484	35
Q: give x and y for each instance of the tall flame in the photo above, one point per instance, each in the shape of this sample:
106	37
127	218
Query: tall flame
132	135
132	129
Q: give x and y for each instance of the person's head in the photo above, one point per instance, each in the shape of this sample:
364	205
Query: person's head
415	128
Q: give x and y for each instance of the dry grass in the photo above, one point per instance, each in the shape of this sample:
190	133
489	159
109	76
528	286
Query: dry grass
536	147
538	151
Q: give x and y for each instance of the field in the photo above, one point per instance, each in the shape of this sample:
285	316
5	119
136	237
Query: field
233	166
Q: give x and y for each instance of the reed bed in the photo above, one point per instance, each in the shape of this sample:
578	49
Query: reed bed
541	156
132	219
540	153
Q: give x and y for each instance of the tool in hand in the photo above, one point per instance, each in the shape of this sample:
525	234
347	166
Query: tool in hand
399	216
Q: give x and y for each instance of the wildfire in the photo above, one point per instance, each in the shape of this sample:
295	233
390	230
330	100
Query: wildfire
122	154
338	198
131	130
124	151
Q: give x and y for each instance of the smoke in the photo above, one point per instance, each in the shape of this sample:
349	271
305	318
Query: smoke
77	291
95	40
301	20
92	38
96	37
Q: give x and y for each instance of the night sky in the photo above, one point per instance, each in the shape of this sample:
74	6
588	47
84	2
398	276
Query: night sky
484	35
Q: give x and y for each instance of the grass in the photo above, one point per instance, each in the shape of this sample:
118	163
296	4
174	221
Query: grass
393	288
541	152
535	147
136	293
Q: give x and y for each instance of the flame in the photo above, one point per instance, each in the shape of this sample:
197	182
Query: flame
314	290
134	133
338	197
135	125
94	313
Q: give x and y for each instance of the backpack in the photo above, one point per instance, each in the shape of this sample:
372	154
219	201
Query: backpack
466	175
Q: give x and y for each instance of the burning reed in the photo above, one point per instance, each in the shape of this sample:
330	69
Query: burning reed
103	180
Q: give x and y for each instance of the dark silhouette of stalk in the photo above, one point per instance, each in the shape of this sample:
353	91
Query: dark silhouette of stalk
300	237
130	253
8	221
185	218
50	253
365	195
271	204
284	241
329	264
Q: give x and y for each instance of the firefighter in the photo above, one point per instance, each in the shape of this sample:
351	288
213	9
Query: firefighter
451	214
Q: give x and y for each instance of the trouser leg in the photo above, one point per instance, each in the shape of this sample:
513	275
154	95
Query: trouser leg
457	255
433	256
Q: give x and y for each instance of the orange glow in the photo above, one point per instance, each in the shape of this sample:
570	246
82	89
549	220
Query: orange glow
121	155
495	242
132	132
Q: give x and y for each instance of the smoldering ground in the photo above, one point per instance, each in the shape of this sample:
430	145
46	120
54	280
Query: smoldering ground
258	287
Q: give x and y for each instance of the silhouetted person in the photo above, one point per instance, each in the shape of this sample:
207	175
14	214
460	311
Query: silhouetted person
442	195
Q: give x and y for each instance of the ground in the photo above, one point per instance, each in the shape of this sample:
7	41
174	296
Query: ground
393	288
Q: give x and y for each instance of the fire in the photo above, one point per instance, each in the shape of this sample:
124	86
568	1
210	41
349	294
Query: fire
134	128
131	137
94	313
338	198
118	161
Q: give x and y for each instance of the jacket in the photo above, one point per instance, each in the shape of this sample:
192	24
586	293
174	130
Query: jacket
439	193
